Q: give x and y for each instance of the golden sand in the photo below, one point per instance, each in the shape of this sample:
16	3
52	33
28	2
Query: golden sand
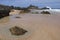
39	27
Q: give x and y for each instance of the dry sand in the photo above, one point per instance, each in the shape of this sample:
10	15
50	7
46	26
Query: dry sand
39	27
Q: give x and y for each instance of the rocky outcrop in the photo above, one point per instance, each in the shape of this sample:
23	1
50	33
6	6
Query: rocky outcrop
32	7
47	7
4	13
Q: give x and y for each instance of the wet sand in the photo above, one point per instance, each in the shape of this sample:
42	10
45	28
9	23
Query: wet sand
39	27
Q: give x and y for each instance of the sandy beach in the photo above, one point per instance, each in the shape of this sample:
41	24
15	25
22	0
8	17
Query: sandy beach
39	26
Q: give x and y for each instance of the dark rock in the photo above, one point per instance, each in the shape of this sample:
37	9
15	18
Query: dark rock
4	13
45	12
17	31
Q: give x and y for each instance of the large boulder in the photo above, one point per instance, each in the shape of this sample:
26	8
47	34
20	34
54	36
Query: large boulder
17	31
4	13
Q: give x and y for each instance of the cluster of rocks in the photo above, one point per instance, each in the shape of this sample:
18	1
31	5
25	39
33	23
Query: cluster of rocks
45	12
17	31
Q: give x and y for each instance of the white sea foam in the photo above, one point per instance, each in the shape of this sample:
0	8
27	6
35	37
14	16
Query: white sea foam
50	10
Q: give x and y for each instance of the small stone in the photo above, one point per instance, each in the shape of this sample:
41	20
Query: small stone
17	31
18	17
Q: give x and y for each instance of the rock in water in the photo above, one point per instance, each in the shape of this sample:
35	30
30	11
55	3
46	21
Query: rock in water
45	12
17	31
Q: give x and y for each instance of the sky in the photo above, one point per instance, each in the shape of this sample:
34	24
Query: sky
25	3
